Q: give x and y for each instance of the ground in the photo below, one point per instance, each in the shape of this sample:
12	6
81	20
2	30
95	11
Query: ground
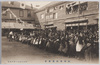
18	53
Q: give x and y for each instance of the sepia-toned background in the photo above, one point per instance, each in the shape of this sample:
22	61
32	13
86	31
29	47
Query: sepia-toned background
60	26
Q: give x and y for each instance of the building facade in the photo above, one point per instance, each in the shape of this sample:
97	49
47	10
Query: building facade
53	15
15	10
57	14
17	16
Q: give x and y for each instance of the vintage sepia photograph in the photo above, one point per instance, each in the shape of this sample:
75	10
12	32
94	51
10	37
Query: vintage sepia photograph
50	32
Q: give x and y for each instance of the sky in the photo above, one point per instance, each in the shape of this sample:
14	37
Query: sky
36	4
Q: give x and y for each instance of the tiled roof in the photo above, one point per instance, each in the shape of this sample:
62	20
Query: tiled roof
15	5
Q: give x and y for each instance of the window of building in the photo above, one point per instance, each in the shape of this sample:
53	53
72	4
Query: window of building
4	11
51	9
55	15
83	7
68	9
55	8
47	10
61	7
75	8
28	13
21	13
47	16
42	16
72	8
51	16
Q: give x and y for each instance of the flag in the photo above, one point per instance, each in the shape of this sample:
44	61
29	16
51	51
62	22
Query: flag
22	5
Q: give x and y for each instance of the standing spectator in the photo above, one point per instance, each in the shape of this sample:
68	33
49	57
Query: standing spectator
10	35
79	46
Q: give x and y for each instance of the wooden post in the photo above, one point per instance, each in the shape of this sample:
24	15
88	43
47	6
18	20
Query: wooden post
65	28
78	28
87	26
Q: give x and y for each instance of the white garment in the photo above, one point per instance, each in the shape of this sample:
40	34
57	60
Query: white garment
48	44
20	38
11	33
79	47
40	42
36	42
13	37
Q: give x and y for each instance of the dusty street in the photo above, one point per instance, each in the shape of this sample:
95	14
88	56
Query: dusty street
18	53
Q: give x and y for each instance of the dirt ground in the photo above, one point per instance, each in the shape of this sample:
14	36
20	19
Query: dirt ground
18	53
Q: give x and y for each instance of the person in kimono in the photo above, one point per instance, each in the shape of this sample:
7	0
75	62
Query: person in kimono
62	44
56	43
67	47
52	46
79	46
48	45
10	35
90	47
72	45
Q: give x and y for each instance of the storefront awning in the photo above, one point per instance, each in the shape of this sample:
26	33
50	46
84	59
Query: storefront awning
49	24
76	24
81	20
93	21
10	25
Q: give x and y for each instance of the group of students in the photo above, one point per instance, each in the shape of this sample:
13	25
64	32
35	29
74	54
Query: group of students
72	43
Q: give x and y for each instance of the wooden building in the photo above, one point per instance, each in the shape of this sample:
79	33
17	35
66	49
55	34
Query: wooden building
58	13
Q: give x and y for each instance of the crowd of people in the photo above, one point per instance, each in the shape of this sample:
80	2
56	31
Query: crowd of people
73	42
